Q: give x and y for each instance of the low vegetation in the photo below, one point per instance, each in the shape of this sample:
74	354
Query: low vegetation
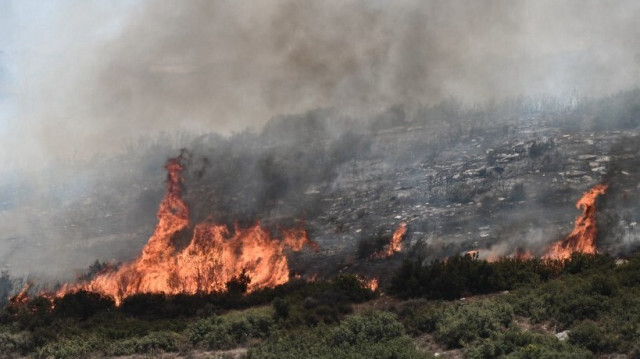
504	309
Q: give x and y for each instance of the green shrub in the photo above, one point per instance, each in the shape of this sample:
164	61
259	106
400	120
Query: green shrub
151	343
376	335
76	347
592	336
17	343
464	323
421	316
515	344
281	309
232	329
373	326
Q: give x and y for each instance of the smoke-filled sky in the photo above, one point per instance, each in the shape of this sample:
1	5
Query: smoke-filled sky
82	76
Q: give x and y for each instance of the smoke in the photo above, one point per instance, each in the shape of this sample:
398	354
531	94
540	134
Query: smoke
89	75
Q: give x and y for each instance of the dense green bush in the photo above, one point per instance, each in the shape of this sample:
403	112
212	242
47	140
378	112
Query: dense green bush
515	344
593	336
76	347
421	316
281	309
372	335
460	276
462	323
232	329
155	342
19	342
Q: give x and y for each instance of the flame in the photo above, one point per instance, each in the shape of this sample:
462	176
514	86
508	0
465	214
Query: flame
583	237
23	296
214	256
372	284
396	242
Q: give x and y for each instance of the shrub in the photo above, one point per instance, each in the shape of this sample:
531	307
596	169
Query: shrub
422	316
70	348
281	308
464	323
373	326
18	343
154	342
461	193
372	335
524	345
232	329
352	287
82	304
592	336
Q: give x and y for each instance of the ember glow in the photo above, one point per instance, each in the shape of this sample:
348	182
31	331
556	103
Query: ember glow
583	237
372	284
215	256
23	296
396	242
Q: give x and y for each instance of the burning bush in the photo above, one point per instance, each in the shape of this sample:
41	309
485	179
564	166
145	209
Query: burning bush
213	260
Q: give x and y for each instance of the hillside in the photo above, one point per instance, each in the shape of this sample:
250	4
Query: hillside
463	187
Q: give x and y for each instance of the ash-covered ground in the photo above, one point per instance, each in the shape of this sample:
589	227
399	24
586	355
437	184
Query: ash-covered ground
499	176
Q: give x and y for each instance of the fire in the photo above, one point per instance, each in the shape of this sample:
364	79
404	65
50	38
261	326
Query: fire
214	256
583	237
23	296
396	242
523	254
371	284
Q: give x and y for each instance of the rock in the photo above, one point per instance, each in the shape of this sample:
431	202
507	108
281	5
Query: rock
564	335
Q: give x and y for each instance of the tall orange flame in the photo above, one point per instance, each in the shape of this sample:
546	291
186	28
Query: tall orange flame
214	256
396	242
583	237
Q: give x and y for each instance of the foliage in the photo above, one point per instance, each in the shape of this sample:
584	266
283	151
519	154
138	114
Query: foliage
69	348
19	342
372	335
464	323
516	344
161	341
82	304
232	329
589	295
460	276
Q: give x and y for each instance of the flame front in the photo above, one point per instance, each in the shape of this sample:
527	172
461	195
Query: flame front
396	242
583	237
214	256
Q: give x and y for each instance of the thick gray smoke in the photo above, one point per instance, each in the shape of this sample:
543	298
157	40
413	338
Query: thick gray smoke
88	75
